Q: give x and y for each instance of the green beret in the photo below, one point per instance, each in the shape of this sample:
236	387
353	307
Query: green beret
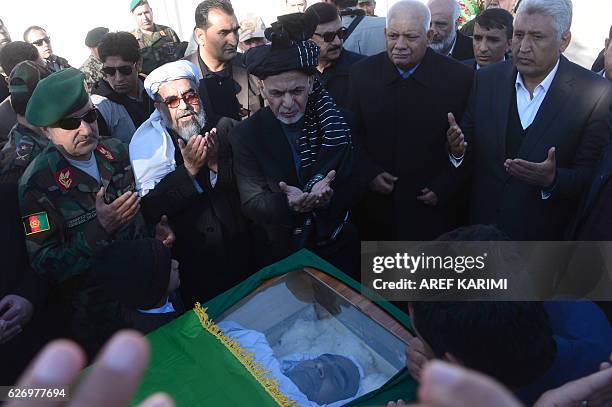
56	96
136	3
95	36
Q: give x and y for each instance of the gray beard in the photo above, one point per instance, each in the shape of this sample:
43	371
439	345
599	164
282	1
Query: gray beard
187	131
445	44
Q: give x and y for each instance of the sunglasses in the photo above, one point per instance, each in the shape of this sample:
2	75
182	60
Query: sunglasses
329	36
123	70
72	123
39	43
190	98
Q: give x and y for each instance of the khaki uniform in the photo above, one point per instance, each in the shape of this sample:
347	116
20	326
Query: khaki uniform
158	48
57	203
22	148
92	68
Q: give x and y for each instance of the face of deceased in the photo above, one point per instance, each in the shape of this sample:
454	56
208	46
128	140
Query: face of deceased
287	93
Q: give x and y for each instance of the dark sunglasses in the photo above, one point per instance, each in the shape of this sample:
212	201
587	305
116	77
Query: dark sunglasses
72	123
123	70
329	36
38	43
191	98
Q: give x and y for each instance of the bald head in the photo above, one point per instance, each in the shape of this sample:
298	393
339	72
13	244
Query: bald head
409	9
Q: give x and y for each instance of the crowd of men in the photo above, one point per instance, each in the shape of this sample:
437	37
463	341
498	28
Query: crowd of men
163	173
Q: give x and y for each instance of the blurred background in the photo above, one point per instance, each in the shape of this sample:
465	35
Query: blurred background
68	21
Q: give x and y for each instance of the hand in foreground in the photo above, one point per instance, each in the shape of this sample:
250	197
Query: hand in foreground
194	153
164	233
112	380
383	183
15	313
455	138
539	174
117	214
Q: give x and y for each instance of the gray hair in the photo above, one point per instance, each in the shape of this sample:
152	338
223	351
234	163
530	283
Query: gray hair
451	3
559	10
408	6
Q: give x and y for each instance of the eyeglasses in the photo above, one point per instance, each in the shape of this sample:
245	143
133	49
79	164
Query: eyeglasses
123	70
39	43
329	36
190	98
72	123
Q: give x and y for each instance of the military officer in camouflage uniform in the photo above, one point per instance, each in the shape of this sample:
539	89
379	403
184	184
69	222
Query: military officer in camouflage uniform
75	198
92	67
25	140
159	44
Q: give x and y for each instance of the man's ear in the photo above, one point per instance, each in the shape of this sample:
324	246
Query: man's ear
566	37
430	34
200	35
139	64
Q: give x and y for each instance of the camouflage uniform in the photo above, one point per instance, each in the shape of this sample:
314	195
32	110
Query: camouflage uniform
92	68
57	202
158	48
23	147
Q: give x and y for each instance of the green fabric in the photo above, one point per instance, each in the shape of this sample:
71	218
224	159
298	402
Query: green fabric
136	3
184	360
56	96
195	368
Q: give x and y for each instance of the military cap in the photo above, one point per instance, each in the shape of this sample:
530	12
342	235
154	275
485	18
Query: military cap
136	3
94	36
56	96
25	76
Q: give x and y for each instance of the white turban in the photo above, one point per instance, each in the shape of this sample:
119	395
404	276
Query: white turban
170	72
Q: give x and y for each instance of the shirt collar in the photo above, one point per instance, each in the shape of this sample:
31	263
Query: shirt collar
450	52
545	84
404	74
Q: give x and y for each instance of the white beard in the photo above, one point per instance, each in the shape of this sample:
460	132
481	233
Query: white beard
445	44
192	128
291	121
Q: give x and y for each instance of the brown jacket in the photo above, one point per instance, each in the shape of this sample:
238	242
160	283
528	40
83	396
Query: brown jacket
248	95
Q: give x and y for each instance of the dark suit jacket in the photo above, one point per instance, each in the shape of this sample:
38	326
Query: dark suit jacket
601	177
335	79
262	159
404	124
470	62
598	64
574	118
248	95
463	47
212	242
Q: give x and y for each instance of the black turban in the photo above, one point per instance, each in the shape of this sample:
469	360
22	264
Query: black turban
291	48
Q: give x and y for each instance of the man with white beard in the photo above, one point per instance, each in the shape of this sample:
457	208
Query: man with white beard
446	39
183	169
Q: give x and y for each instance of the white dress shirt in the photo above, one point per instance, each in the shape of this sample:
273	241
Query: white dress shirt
527	107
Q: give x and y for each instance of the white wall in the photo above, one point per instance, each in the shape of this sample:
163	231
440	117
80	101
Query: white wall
68	21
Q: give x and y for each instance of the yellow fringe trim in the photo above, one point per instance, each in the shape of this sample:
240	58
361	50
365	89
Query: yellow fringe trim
245	357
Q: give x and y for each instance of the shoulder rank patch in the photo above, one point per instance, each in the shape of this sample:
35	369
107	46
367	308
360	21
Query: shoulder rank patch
36	223
163	33
64	178
104	151
23	151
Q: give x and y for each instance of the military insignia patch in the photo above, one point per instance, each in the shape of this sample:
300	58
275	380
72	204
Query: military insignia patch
64	178
36	223
23	151
162	33
107	154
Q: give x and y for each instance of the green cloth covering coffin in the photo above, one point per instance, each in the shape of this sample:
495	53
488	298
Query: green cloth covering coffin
192	365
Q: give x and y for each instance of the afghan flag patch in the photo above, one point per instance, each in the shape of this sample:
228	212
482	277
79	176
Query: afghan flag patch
36	223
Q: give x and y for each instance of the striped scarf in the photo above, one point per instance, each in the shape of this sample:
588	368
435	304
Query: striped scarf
326	136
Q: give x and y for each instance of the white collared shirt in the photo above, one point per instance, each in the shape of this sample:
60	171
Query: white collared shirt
528	107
